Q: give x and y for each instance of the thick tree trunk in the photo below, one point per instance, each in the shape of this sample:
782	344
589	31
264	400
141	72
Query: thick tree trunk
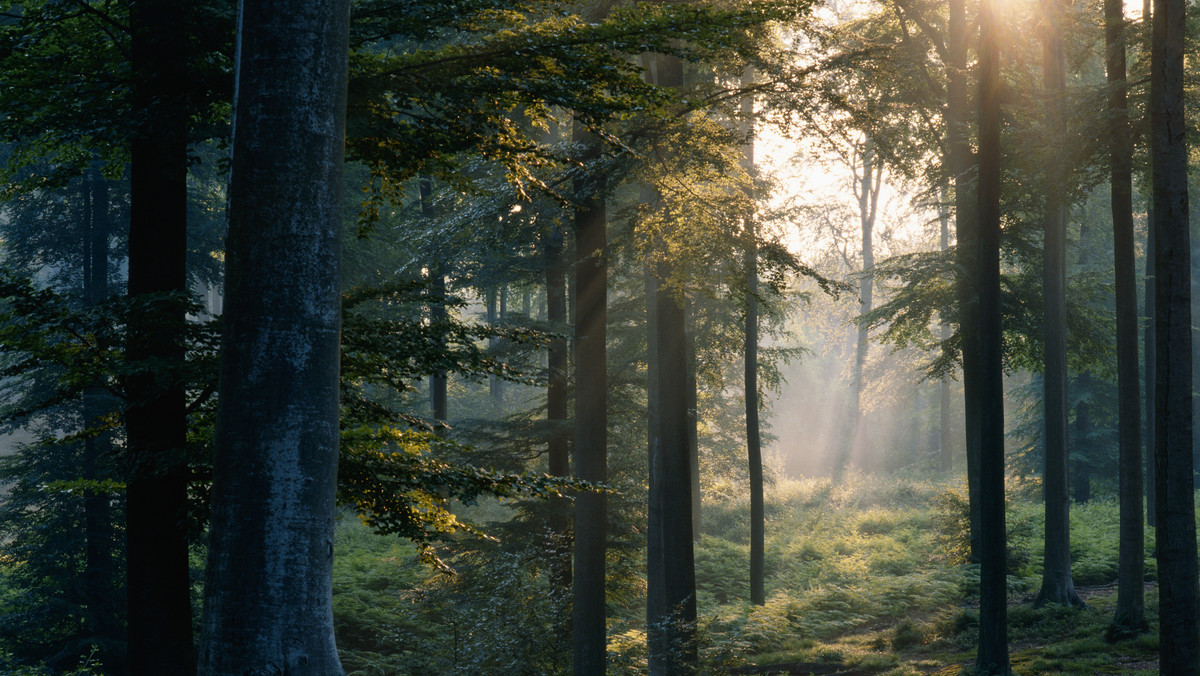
1130	614
160	613
962	166
992	657
268	593
591	415
1179	599
1057	584
670	569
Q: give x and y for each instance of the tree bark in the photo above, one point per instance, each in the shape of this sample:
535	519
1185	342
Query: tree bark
268	592
962	166
1130	613
992	656
158	582
670	569
1179	598
591	414
753	436
1057	584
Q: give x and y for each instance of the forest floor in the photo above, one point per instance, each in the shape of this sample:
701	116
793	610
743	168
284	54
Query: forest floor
1050	640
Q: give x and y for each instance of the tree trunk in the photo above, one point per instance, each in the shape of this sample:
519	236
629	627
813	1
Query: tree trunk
670	569
99	569
268	593
1057	584
160	613
866	191
753	437
437	310
962	165
1179	600
693	413
558	443
1130	614
1081	474
992	657
945	415
591	413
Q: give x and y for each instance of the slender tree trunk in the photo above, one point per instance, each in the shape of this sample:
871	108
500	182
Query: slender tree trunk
693	416
591	414
268	593
670	569
1057	584
558	443
99	569
1130	614
866	190
945	400
962	167
992	657
1081	475
160	613
437	309
753	437
1150	343
1179	599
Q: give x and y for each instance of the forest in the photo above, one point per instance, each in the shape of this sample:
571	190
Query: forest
388	337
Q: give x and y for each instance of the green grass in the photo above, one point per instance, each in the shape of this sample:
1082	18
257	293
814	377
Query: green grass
867	574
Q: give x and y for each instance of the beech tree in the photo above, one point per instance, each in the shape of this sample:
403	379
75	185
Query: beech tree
992	657
1179	598
268	590
1057	584
1130	613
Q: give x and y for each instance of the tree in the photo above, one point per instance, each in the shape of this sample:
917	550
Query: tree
1057	584
1129	617
753	434
1179	598
591	415
992	657
962	166
268	588
670	569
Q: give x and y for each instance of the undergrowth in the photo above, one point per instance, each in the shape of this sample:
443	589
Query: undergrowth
871	573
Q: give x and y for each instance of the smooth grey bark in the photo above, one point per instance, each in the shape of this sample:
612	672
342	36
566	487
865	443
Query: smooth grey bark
962	168
1179	597
1057	584
268	591
1129	617
159	629
992	656
591	413
670	565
